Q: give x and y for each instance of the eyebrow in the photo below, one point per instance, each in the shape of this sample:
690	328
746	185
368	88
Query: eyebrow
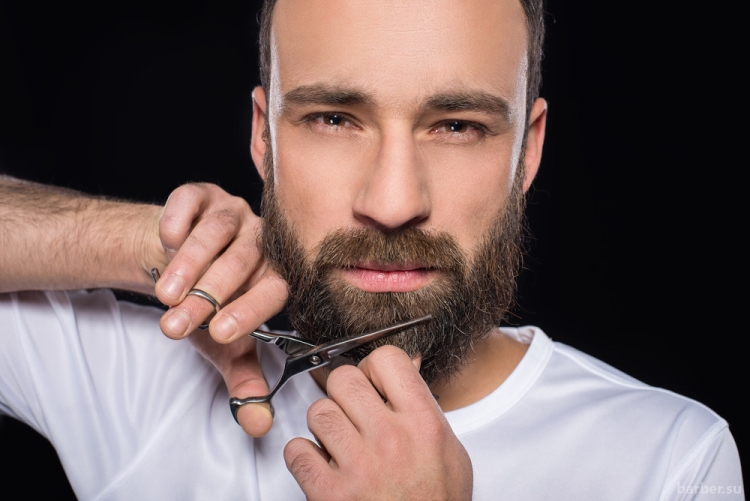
322	94
469	101
325	94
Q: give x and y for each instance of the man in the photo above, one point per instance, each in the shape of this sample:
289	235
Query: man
364	143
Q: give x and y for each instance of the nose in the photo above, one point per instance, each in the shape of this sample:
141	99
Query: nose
395	192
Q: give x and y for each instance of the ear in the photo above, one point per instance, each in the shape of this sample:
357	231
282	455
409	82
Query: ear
534	141
258	145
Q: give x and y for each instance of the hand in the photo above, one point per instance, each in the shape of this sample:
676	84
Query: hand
211	240
402	448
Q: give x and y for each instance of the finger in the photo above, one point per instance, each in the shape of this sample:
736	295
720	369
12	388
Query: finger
245	379
333	429
255	419
209	237
349	387
309	468
394	376
211	234
182	207
239	366
225	276
183	319
265	299
417	361
241	263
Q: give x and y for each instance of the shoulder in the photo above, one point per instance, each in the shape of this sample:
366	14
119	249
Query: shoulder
592	428
596	382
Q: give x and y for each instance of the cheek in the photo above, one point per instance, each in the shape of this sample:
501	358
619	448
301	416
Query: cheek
315	184
469	188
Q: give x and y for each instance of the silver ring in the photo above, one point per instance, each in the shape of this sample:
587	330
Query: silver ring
208	297
205	295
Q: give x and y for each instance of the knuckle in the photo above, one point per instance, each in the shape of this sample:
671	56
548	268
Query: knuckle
277	285
195	241
220	225
323	410
346	375
238	263
186	194
226	218
240	204
297	459
349	382
433	429
324	419
387	354
169	224
249	248
387	358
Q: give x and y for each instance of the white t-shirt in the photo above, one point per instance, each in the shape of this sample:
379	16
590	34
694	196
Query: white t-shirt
134	415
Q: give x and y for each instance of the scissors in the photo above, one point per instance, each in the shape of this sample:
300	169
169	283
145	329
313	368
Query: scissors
304	356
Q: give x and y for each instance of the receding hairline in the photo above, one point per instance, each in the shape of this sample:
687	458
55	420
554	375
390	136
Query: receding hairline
533	11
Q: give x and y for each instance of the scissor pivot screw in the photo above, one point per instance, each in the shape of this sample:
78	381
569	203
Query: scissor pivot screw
315	360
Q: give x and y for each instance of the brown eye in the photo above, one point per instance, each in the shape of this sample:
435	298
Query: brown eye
457	126
332	119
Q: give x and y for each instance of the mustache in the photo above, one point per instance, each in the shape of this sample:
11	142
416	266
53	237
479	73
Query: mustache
346	247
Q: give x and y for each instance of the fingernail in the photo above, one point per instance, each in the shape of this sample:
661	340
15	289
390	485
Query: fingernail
224	328
177	322
173	286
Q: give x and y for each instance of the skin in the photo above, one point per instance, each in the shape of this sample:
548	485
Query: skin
365	131
393	151
391	160
362	136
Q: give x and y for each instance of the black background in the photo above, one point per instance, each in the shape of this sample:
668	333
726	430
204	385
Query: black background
634	214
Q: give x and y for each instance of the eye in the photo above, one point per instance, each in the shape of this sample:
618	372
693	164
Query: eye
330	120
457	126
459	130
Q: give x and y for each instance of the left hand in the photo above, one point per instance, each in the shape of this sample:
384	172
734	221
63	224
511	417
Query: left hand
402	448
211	241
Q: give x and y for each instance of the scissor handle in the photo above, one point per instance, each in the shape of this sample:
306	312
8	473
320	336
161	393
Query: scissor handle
315	357
292	367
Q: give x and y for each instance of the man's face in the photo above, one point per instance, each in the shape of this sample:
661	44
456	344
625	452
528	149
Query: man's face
396	136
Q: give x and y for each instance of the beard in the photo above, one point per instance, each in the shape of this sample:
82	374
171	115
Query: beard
469	297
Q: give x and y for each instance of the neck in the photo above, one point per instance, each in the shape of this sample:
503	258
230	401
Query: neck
486	367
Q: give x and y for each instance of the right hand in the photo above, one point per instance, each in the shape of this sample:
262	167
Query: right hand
212	242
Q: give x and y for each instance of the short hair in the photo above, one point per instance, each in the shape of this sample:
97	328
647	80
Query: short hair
534	10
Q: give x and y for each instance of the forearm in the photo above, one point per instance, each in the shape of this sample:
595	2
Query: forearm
52	238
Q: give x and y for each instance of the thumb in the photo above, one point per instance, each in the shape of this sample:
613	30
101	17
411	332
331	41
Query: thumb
239	366
255	419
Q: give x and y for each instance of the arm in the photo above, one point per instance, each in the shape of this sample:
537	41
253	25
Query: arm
52	238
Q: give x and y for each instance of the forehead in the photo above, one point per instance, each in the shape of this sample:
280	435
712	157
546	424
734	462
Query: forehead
399	51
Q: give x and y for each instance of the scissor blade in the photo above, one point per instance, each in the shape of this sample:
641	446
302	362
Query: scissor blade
340	346
290	344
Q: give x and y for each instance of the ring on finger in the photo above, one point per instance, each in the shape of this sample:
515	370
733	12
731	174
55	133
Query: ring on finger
208	297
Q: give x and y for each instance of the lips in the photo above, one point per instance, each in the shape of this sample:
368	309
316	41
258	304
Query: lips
372	277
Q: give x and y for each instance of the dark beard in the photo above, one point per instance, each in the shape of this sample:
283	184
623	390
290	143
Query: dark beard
467	299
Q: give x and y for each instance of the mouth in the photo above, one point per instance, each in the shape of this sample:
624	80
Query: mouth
376	277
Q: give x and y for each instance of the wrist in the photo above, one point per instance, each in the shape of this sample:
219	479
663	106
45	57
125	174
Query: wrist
148	251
